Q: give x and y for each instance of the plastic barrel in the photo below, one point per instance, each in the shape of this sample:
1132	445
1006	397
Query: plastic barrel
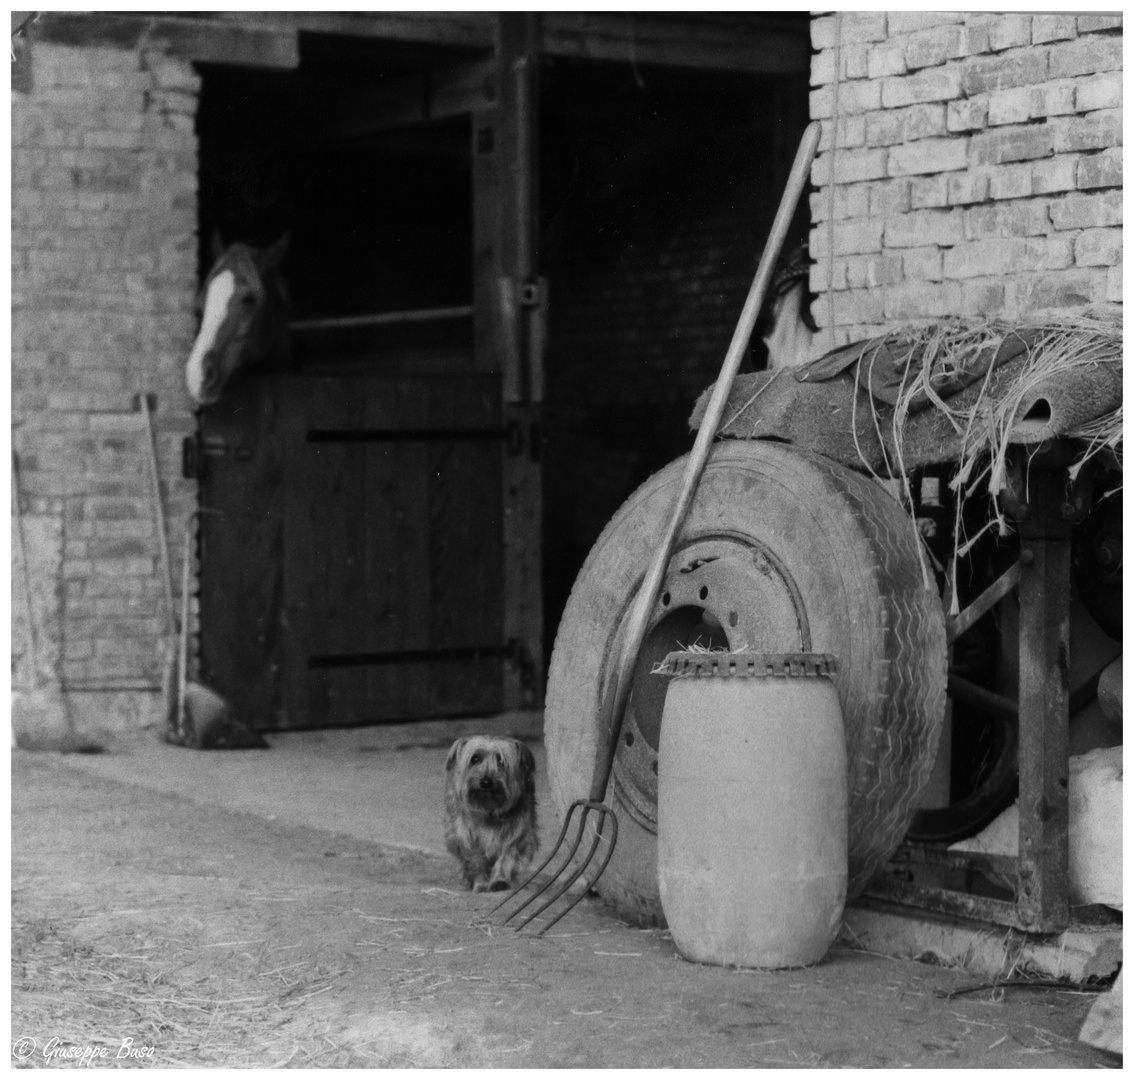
752	808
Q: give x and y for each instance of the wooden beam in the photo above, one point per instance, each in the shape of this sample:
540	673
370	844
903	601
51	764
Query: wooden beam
269	39
199	39
411	99
507	336
689	41
469	29
1045	619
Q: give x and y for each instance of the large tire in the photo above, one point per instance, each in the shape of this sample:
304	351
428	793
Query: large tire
782	551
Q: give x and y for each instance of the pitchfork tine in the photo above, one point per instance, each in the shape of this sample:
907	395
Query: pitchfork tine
539	870
604	814
586	808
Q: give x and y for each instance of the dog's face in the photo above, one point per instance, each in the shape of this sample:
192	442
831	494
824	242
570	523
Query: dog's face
491	774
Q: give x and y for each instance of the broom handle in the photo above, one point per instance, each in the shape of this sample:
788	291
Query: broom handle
159	513
183	643
618	690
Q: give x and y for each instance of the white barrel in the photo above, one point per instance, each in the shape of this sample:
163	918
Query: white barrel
752	808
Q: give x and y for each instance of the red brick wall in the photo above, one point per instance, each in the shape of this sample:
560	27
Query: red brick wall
103	282
977	166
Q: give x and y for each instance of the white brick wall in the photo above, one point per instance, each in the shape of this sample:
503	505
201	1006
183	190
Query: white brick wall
977	166
104	218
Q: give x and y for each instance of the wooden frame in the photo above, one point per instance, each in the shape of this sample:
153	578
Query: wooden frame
1040	869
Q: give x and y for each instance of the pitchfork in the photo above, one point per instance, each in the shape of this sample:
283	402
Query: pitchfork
630	640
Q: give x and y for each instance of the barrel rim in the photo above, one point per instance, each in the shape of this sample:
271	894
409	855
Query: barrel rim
750	665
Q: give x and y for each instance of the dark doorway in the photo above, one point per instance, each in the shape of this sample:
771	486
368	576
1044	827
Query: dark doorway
351	534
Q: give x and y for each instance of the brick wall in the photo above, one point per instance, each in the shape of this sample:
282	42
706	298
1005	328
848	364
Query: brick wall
104	220
977	166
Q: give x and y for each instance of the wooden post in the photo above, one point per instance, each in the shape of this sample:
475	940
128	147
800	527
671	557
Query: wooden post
509	333
1045	620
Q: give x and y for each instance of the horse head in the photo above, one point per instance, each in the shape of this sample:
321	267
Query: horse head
243	316
785	323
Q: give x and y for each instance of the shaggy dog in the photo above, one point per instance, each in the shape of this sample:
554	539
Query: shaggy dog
490	810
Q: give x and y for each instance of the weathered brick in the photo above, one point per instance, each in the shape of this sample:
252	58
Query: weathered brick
1085	56
932	84
928	156
967	114
852	133
858	305
1053	174
851	236
1088	24
1098	247
1087	211
858	96
1026	217
1058	289
922	264
910	22
849	166
885	127
1100	170
1023	68
871	271
1009	32
982	296
890	197
982	258
929	48
851	200
1113	292
922	227
978	28
852	64
1053	99
863	26
1095	131
929	191
1047	28
885	58
1013	106
922	300
1007	144
889	126
1099	92
967	187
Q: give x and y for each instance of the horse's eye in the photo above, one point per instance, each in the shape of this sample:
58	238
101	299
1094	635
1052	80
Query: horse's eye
248	300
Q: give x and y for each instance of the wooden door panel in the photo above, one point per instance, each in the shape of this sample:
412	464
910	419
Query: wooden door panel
394	517
385	519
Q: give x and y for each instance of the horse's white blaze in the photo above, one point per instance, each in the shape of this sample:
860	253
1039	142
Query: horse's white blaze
217	296
789	343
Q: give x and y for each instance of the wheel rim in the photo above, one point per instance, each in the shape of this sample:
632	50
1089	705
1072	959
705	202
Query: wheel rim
721	591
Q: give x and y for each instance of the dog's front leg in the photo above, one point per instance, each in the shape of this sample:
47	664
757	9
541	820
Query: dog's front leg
504	873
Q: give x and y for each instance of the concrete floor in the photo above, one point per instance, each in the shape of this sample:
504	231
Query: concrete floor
385	785
379	784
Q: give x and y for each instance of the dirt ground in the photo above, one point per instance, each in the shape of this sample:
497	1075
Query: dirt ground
211	937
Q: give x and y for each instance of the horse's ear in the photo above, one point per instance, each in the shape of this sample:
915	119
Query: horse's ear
274	255
217	244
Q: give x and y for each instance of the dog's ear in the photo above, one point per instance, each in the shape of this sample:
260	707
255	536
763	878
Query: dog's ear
454	751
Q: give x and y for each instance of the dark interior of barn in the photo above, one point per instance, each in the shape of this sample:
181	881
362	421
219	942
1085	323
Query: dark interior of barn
656	188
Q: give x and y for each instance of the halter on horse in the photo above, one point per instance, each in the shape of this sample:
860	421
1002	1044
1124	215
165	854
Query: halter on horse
243	318
785	325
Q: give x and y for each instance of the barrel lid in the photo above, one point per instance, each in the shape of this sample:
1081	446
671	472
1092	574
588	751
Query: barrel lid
746	664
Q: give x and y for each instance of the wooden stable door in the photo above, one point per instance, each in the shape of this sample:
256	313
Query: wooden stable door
352	548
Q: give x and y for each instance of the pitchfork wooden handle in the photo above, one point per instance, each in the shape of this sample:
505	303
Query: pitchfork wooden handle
618	688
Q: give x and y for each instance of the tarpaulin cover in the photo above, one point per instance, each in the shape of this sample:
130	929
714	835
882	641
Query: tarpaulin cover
843	404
